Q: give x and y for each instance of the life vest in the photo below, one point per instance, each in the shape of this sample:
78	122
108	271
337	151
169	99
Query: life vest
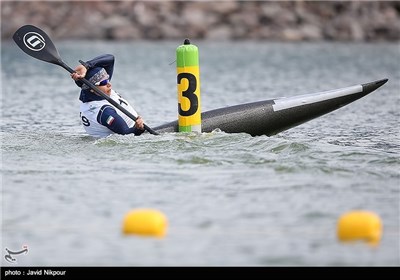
90	111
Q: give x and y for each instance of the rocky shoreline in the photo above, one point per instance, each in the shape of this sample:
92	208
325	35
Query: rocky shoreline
362	21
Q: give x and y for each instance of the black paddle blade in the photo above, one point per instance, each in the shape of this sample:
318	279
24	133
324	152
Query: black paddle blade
37	43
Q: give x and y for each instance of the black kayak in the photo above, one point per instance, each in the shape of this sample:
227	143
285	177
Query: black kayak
270	117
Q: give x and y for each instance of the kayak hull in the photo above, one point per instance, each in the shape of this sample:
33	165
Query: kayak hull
270	117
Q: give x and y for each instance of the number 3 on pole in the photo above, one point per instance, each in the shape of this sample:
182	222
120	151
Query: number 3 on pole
188	83
188	93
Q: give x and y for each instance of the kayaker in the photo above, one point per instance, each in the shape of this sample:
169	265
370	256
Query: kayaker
98	116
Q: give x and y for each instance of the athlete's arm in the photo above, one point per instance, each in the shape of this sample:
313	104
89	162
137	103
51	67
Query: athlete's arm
106	61
110	118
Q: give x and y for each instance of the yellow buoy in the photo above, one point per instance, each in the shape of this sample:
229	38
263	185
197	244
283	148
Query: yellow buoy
359	225
148	222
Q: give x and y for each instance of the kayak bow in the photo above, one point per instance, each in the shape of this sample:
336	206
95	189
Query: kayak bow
270	117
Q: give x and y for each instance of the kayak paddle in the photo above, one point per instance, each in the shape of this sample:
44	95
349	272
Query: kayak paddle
36	43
